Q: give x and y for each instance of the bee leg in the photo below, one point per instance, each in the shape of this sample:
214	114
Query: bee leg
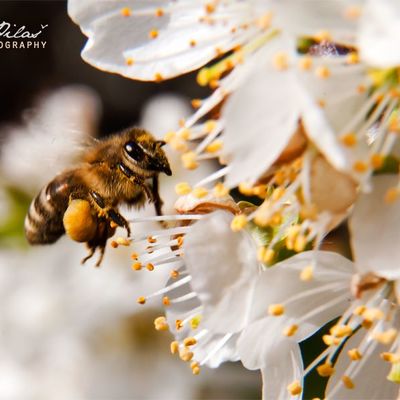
111	214
90	255
156	196
100	259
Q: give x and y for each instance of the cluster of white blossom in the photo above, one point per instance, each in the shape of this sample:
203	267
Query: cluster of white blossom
304	120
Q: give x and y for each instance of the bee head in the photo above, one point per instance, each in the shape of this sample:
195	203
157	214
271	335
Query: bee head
144	151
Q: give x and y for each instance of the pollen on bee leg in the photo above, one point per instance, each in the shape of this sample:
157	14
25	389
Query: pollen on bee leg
137	266
347	382
307	274
391	195
326	369
238	222
276	310
161	324
290	330
189	160
295	388
200	192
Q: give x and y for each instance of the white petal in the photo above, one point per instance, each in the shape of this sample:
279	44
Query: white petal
379	33
375	227
277	376
370	379
224	267
261	117
316	302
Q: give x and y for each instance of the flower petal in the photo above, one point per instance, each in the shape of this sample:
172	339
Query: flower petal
379	33
224	268
375	227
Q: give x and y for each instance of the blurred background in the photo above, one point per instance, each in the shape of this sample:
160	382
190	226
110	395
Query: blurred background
67	331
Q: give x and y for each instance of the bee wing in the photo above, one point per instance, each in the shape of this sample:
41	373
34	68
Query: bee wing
51	138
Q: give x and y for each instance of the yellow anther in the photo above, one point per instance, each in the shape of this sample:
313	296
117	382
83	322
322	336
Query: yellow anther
190	341
281	61
341	331
199	192
126	12
209	125
159	12
166	301
196	103
137	266
391	195
300	243
135	256
260	191
366	324
203	77
347	382
150	267
238	222
184	133
123	241
161	324
141	300
323	72
158	77
390	357
180	240
294	388
153	34
196	370
394	374
309	211
353	12
361	89
214	84
192	43
385	337
189	160
292	234
307	273
360	166
275	220
151	239
290	330
325	370
210	8
179	144
245	189
352	58
278	193
174	274
264	21
114	244
195	322
323	36
220	190
330	340
372	314
174	347
321	103
178	324
354	354
182	188
185	354
305	63
129	61
377	161
349	139
265	255
276	310
169	136
215	146
359	310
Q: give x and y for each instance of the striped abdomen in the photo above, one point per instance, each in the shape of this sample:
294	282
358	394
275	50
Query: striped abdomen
44	221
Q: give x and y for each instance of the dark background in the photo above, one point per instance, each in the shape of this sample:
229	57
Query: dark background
28	73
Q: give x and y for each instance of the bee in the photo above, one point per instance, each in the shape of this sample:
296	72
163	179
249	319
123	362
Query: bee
83	201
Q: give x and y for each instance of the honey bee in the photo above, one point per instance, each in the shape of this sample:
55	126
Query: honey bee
83	202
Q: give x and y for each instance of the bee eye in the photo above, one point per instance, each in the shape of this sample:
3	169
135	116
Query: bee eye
134	151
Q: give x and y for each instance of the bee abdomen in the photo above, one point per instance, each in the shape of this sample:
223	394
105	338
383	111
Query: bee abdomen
43	223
